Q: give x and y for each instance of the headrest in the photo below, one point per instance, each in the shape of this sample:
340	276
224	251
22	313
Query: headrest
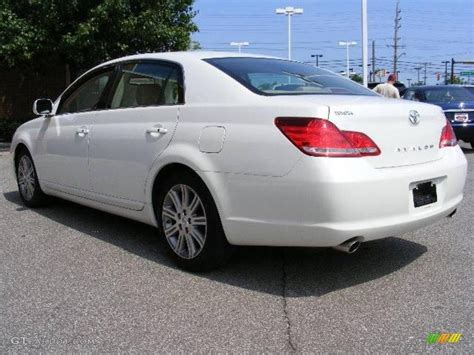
148	94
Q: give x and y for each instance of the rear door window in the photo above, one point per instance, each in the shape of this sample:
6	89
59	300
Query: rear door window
148	84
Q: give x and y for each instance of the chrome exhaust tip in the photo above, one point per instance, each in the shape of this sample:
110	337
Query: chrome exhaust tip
451	215
349	246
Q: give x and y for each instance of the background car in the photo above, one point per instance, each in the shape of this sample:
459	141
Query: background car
219	149
470	88
457	103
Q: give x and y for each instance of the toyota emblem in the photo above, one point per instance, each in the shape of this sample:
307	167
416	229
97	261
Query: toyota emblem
414	117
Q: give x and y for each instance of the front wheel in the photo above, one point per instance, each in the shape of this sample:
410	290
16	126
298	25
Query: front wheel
188	219
27	179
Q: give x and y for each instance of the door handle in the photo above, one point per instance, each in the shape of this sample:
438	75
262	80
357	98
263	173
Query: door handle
155	131
82	132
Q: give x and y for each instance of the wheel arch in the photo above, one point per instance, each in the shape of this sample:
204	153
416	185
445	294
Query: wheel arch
163	173
200	167
23	139
20	147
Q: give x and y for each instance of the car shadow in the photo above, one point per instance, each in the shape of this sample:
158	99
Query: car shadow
309	271
466	147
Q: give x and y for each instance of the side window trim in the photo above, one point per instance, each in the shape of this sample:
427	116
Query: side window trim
104	95
118	73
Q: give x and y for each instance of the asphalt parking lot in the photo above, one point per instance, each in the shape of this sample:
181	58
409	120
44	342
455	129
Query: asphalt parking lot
76	279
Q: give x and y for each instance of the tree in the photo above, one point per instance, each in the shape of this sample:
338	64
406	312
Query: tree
357	78
37	36
82	33
194	46
457	80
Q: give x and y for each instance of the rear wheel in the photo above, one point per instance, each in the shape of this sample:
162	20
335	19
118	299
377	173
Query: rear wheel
27	179
188	219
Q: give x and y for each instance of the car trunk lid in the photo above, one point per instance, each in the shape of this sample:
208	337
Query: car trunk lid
402	141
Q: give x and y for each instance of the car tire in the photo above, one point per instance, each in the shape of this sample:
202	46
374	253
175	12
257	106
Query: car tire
28	185
190	224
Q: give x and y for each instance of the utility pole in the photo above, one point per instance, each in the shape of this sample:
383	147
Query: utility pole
418	73
317	56
445	71
289	11
365	54
396	39
373	60
409	82
452	70
239	45
424	78
347	44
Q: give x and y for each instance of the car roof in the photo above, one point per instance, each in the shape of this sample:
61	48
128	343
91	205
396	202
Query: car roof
177	56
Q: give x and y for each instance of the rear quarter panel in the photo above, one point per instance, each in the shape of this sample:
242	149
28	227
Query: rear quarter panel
252	143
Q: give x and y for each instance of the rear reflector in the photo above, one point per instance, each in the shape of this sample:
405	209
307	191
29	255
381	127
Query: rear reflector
448	138
321	138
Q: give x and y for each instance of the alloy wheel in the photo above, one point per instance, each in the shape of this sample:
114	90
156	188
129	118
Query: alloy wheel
26	177
184	221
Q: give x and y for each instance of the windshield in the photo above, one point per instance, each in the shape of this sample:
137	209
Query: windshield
447	94
266	76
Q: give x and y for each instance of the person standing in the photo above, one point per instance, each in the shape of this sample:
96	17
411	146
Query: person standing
388	89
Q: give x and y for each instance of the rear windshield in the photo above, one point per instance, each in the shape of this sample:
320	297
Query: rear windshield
470	89
266	76
447	94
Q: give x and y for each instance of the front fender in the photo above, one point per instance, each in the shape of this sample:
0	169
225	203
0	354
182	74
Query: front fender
27	134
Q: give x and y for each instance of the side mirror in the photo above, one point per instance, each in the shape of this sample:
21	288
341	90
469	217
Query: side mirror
43	107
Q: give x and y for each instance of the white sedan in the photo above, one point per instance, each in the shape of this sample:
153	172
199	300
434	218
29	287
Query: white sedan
219	149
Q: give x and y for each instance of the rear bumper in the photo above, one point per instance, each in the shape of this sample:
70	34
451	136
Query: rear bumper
323	202
464	131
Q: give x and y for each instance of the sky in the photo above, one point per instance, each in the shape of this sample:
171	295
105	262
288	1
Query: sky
431	31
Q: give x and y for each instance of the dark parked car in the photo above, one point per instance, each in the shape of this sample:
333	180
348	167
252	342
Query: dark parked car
457	103
470	88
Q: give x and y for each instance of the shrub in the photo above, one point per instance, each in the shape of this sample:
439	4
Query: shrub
8	127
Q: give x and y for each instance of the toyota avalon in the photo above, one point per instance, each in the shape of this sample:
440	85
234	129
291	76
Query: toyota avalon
217	149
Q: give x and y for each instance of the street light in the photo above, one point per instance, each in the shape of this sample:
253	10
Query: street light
289	11
365	49
239	45
317	56
347	44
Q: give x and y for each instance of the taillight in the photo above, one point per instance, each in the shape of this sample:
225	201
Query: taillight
318	137
448	138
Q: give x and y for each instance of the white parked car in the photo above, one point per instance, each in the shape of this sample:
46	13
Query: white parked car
219	149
